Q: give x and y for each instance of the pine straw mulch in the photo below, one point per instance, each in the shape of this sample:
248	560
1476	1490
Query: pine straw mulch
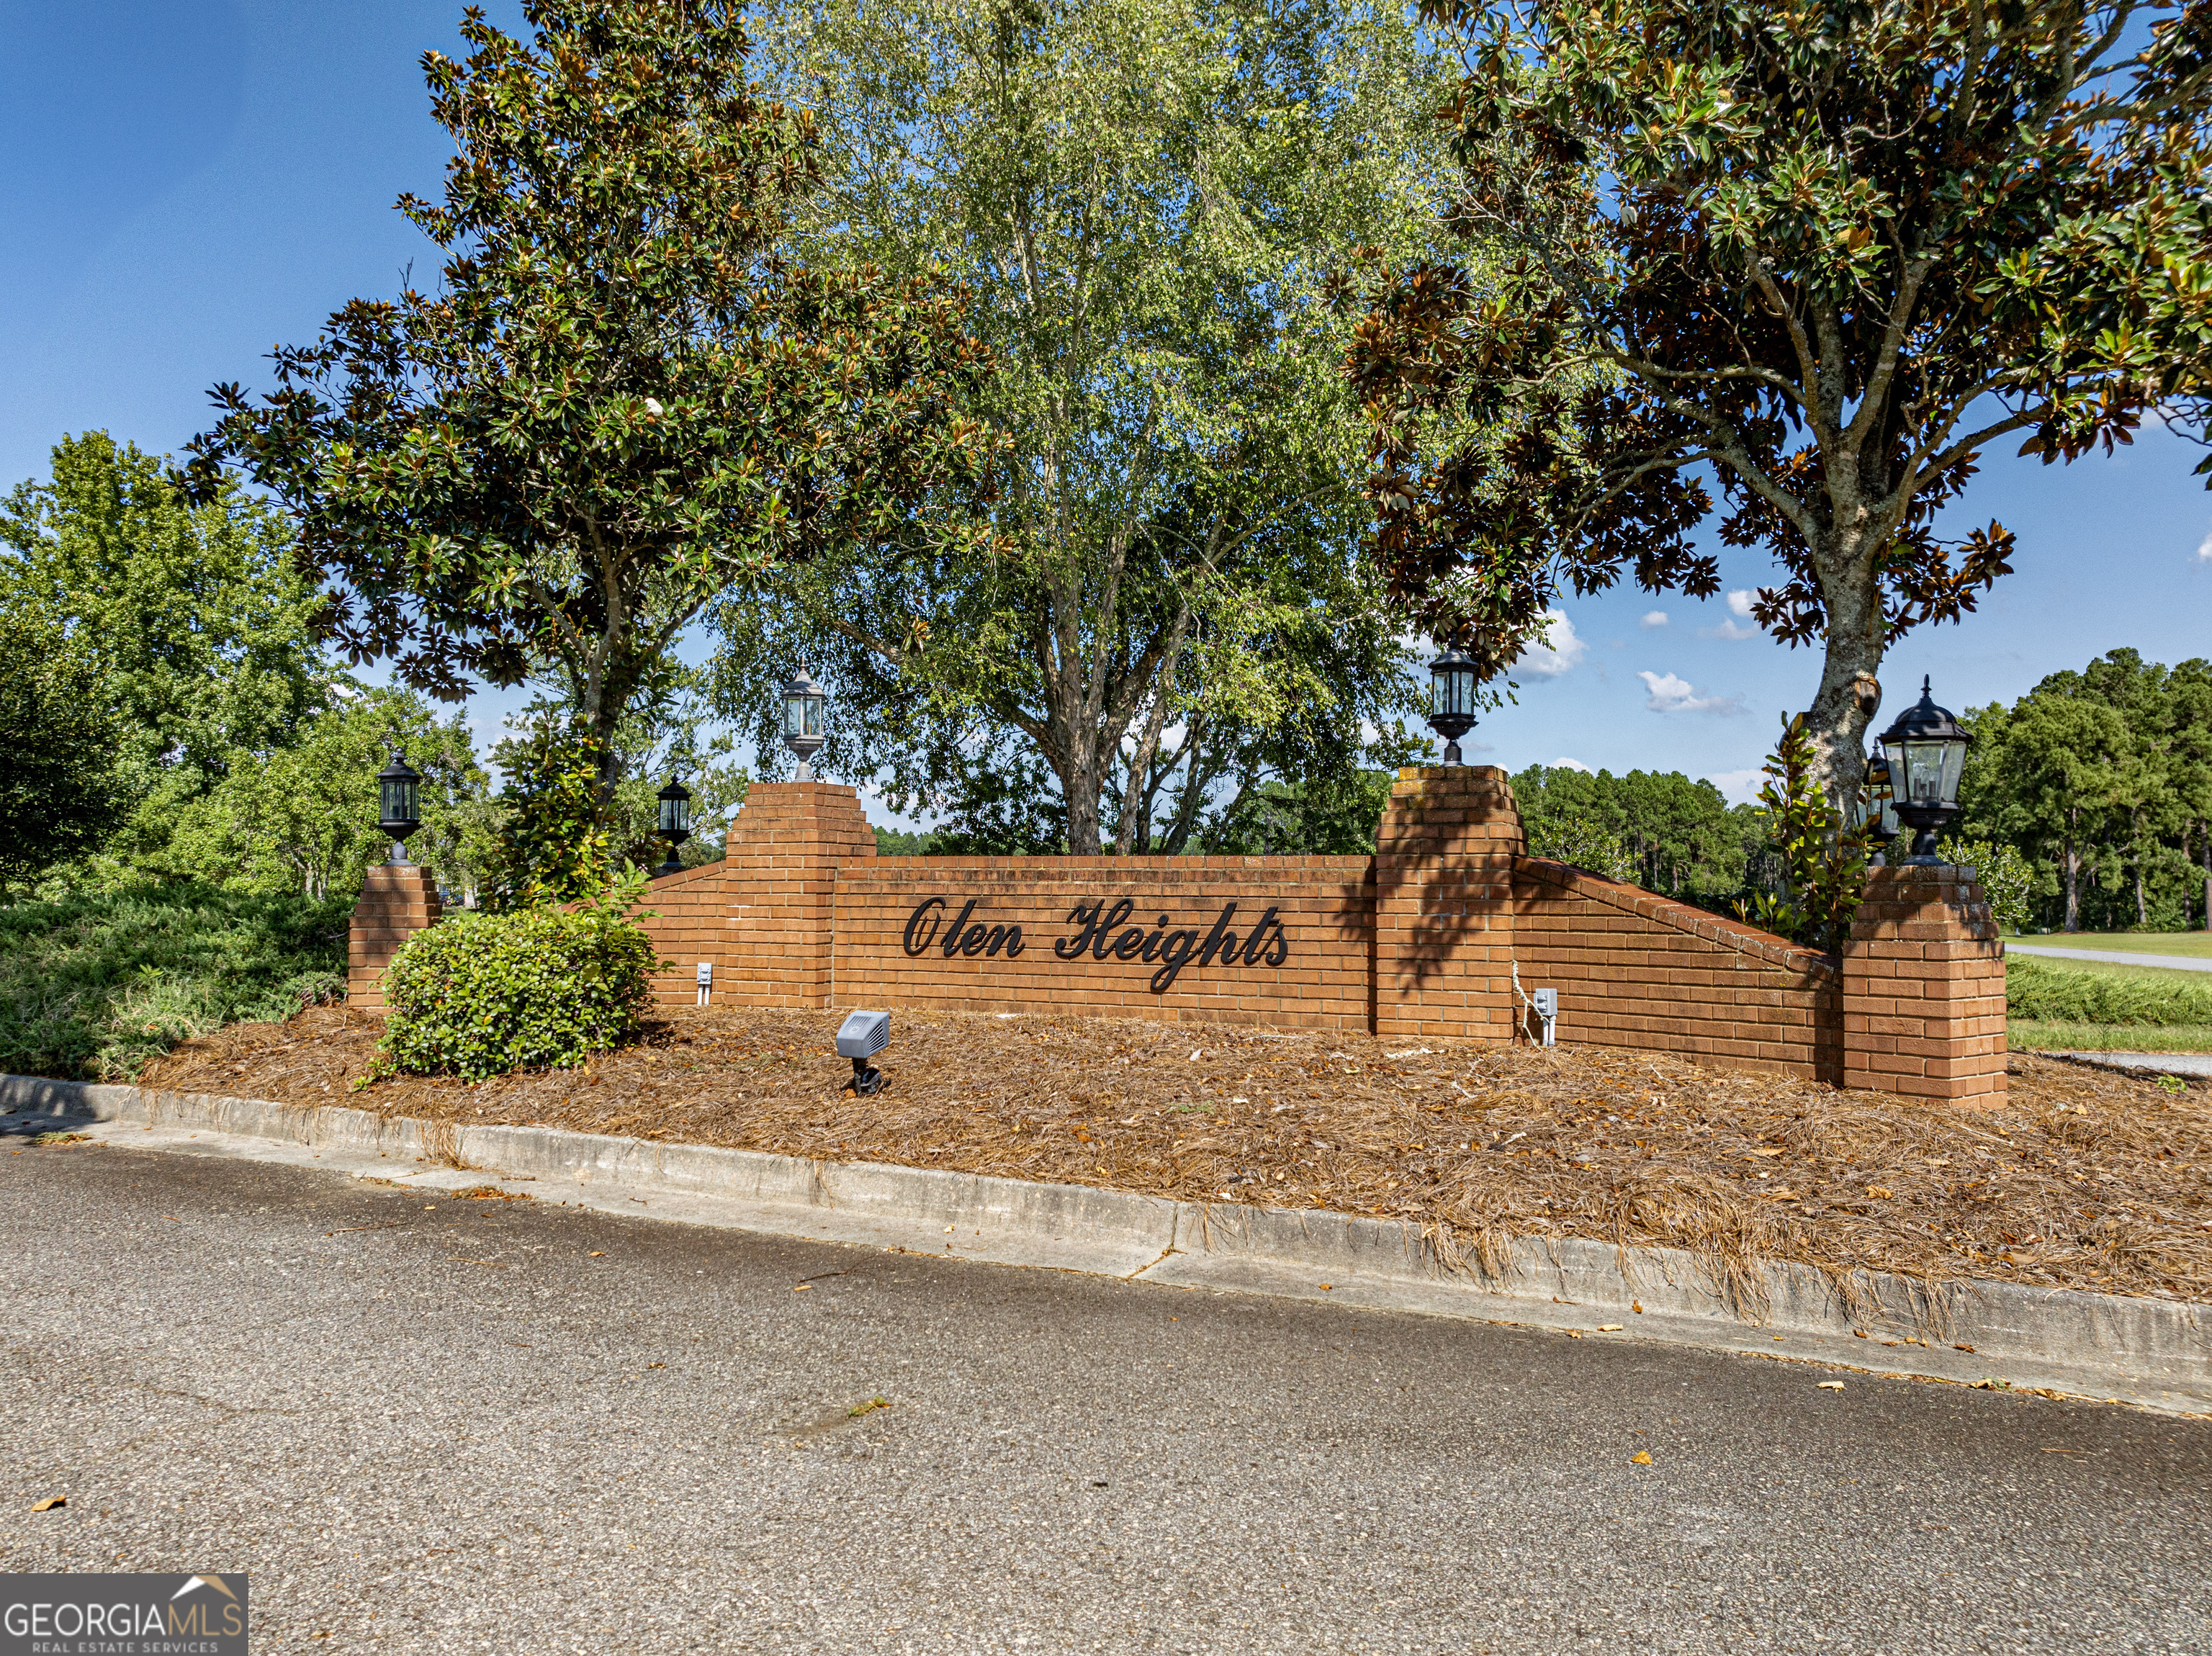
2084	1179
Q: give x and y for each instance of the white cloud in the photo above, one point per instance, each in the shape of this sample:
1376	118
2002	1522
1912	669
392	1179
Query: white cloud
1563	763
2205	550
1739	605
1671	694
1737	787
1559	650
1653	618
1740	602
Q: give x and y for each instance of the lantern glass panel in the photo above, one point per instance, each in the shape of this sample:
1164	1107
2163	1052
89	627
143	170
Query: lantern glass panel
1931	771
396	799
675	814
802	714
1449	686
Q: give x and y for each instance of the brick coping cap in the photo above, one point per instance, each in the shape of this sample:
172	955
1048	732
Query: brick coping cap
1679	917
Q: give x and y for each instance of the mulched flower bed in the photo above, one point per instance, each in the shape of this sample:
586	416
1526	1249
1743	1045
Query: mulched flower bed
2084	1179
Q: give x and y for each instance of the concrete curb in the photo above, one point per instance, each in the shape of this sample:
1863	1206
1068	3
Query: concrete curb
2157	1353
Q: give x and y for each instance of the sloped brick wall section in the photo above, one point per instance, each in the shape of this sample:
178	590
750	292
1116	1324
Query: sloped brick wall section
1442	934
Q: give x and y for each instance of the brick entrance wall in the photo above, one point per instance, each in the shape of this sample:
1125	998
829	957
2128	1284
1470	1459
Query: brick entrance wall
1425	938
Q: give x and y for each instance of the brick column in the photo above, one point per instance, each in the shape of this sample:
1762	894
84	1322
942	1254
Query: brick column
1444	904
396	902
1924	989
782	858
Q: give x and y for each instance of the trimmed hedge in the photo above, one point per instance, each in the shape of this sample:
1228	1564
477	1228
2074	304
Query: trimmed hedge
478	995
94	984
2051	994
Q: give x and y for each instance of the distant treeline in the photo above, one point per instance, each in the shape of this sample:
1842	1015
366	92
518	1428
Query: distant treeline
2103	780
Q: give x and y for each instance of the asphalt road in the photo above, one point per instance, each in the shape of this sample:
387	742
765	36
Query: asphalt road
506	1427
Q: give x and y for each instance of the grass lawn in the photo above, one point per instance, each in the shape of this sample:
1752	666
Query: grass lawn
2166	975
2037	1036
2196	945
2080	1179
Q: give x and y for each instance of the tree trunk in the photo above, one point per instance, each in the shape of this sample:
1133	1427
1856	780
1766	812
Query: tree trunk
2208	877
1850	692
1082	778
2073	864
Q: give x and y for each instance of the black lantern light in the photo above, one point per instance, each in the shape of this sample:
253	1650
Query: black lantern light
1927	750
675	823
1451	698
802	722
397	812
1878	807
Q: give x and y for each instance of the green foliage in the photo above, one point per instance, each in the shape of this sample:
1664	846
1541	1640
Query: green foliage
2102	779
1824	864
621	400
1580	843
1679	836
1318	817
201	627
2048	993
1144	201
59	790
303	818
97	983
478	995
2003	873
556	834
1821	255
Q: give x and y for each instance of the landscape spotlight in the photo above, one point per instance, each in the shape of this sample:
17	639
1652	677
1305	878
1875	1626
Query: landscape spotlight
860	1038
802	722
675	825
397	813
1451	698
1927	750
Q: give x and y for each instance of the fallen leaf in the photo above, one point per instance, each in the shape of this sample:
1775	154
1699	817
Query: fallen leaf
802	1288
948	1230
1961	1348
1609	1328
1637	1306
598	1253
867	1408
1831	1385
50	1503
1641	1457
1879	1193
1325	1287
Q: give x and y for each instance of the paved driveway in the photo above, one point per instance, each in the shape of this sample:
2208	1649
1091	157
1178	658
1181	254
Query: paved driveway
504	1427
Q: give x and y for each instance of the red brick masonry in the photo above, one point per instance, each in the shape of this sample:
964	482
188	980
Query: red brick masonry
1424	939
396	900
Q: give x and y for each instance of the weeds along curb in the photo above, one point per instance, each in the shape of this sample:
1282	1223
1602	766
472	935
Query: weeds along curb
2157	1353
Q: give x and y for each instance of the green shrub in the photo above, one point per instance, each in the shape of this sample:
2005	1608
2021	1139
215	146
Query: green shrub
2052	994
2005	876
478	995
1580	843
96	984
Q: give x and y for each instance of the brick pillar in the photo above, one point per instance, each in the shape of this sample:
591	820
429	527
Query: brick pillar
781	856
396	902
1444	904
1924	989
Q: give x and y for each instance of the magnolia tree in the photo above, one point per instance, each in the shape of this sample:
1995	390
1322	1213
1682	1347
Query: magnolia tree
1815	257
620	402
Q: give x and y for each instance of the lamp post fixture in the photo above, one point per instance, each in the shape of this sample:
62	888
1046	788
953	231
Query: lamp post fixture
675	823
397	807
1878	807
1451	698
802	722
1927	750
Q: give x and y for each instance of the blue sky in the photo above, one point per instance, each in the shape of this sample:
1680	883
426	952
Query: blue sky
186	185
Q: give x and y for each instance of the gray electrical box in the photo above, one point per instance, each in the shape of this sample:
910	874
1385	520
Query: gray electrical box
1546	1005
705	975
